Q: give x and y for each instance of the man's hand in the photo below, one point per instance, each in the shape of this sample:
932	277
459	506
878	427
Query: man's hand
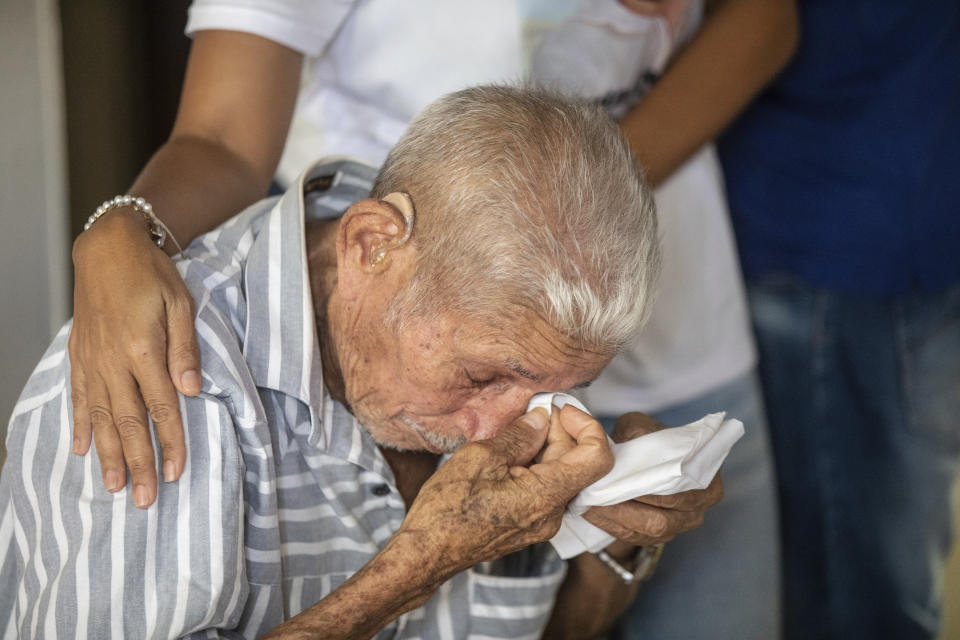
132	332
592	597
650	520
486	501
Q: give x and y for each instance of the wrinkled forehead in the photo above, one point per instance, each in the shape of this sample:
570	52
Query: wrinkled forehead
524	343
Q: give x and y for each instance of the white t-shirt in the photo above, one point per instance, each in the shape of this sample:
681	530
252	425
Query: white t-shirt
371	65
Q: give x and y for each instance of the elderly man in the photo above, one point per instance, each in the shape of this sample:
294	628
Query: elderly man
352	333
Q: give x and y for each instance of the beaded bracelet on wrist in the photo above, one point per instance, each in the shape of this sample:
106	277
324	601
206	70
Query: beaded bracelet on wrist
158	231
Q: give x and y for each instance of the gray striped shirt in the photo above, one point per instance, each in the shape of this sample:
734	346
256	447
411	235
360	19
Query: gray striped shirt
284	495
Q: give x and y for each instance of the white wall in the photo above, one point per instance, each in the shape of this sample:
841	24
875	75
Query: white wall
34	247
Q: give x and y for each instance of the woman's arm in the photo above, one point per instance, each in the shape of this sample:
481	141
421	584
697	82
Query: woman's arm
238	98
740	48
132	345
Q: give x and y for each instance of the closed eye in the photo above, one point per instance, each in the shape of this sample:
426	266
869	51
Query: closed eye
480	381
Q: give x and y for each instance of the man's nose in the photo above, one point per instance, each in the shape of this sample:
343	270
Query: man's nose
496	411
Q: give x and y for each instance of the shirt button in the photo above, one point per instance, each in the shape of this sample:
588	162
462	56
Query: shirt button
381	490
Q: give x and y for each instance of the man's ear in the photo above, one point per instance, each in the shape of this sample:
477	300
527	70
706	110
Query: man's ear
372	235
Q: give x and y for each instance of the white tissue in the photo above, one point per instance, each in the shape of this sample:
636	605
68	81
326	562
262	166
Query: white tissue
660	463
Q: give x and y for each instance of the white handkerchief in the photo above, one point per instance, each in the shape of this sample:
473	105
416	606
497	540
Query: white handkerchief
660	463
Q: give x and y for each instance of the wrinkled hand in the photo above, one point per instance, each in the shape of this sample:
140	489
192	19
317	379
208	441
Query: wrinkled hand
650	520
132	333
489	500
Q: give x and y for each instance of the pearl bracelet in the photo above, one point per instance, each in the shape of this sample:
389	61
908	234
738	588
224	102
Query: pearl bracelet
158	231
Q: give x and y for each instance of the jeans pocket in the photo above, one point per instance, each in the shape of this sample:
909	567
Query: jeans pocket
929	336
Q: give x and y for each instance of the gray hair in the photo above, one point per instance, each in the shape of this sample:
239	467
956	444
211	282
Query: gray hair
525	197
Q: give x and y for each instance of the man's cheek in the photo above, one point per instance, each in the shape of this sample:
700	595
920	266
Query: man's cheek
419	399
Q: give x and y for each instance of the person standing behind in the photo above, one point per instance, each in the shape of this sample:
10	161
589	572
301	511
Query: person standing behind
842	186
696	355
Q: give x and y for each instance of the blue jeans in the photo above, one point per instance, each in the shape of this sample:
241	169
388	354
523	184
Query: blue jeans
863	397
720	581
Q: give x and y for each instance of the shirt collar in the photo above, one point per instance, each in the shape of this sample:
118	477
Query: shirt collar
280	343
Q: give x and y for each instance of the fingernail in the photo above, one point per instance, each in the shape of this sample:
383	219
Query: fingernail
76	446
190	380
140	496
112	481
169	471
537	418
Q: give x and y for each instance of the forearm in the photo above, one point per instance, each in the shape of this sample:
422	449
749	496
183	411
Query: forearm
741	47
399	578
591	597
235	109
481	504
194	184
